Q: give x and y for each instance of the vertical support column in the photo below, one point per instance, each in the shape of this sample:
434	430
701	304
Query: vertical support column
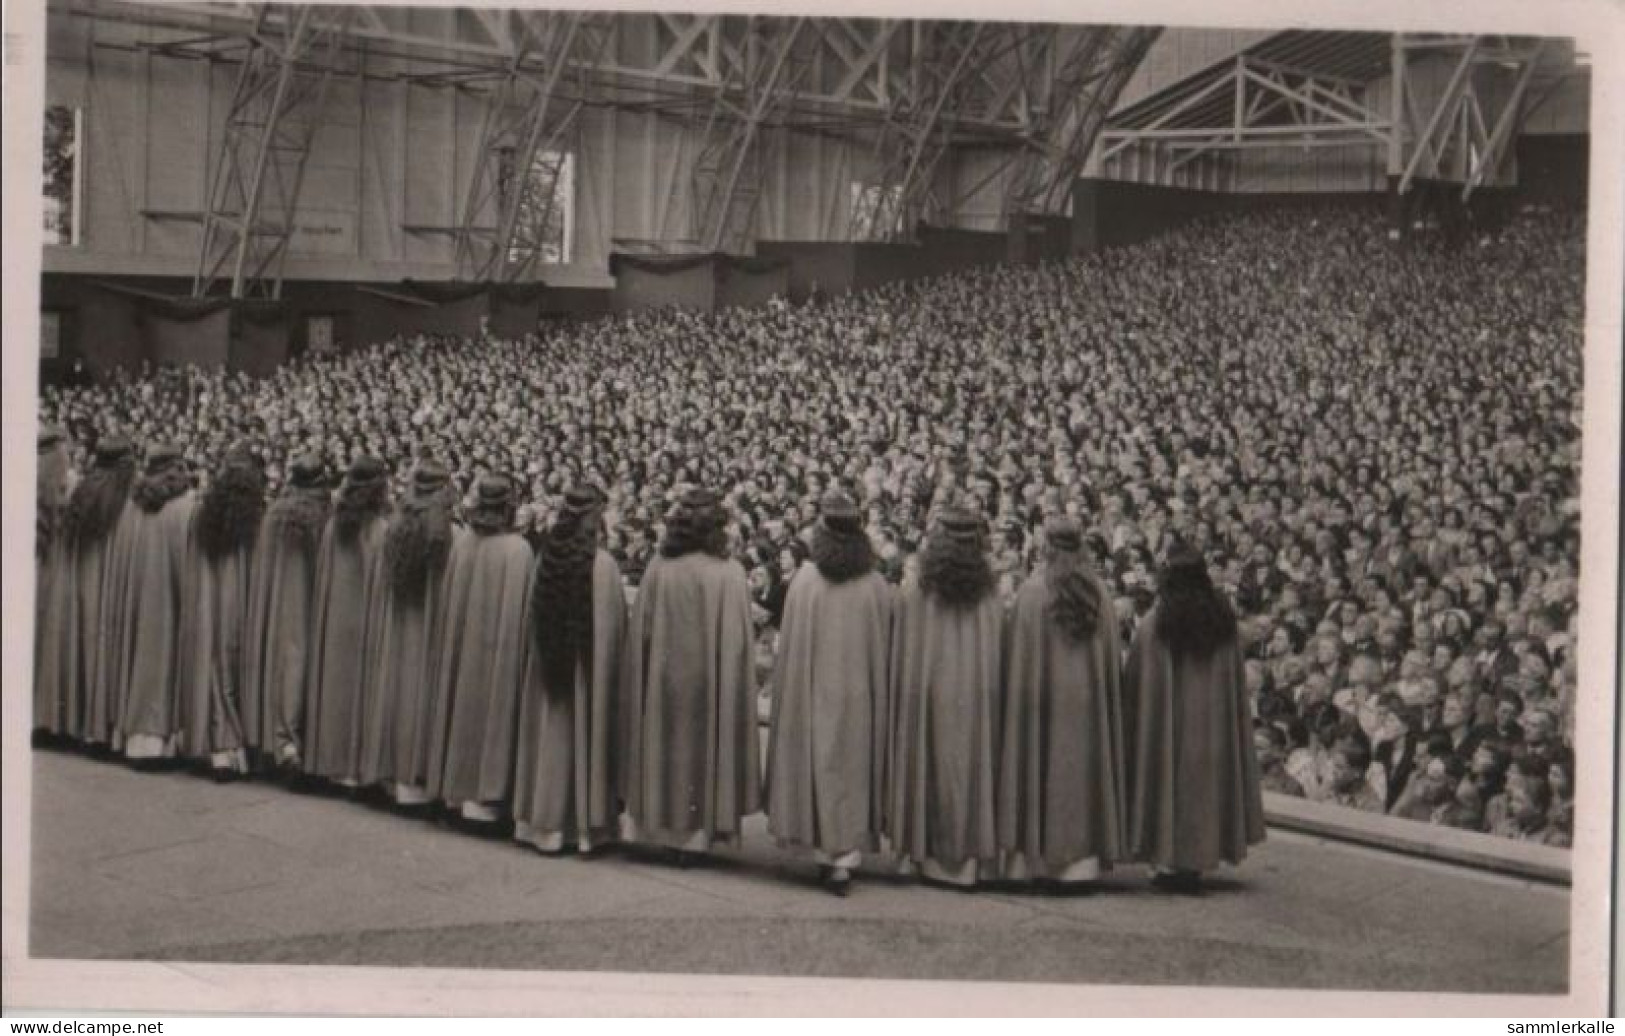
1431	137
727	174
1454	145
506	209
1084	86
256	176
1396	107
1238	115
929	135
1398	129
505	258
913	135
1506	126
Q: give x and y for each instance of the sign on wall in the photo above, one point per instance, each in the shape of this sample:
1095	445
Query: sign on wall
323	234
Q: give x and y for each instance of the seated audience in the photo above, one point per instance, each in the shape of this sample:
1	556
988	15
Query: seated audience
1384	482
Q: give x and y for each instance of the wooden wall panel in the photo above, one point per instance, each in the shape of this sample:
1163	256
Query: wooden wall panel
392	155
388	156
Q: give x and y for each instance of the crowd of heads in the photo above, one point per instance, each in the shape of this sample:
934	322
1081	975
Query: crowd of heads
1372	448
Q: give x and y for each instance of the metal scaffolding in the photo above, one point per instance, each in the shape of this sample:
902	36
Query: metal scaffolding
1078	80
913	136
458	46
1464	135
902	93
757	68
255	178
1250	102
519	156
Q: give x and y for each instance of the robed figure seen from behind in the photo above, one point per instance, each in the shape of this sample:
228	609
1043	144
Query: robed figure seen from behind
147	614
53	483
826	785
219	571
945	682
475	713
1061	801
1194	798
346	572
75	674
281	613
690	756
403	637
565	794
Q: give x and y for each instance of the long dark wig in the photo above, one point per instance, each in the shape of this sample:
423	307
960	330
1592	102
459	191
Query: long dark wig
298	515
162	482
418	539
1074	598
98	500
698	523
841	550
229	516
363	497
1193	617
561	599
954	567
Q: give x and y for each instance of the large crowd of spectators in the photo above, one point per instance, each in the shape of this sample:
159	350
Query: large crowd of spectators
1377	448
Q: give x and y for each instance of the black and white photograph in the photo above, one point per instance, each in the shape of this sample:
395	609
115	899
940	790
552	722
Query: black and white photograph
1085	501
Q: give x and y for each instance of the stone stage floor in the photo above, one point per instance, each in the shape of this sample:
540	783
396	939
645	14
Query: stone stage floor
169	866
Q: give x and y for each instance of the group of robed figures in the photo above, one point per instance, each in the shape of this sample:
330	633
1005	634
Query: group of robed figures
365	643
